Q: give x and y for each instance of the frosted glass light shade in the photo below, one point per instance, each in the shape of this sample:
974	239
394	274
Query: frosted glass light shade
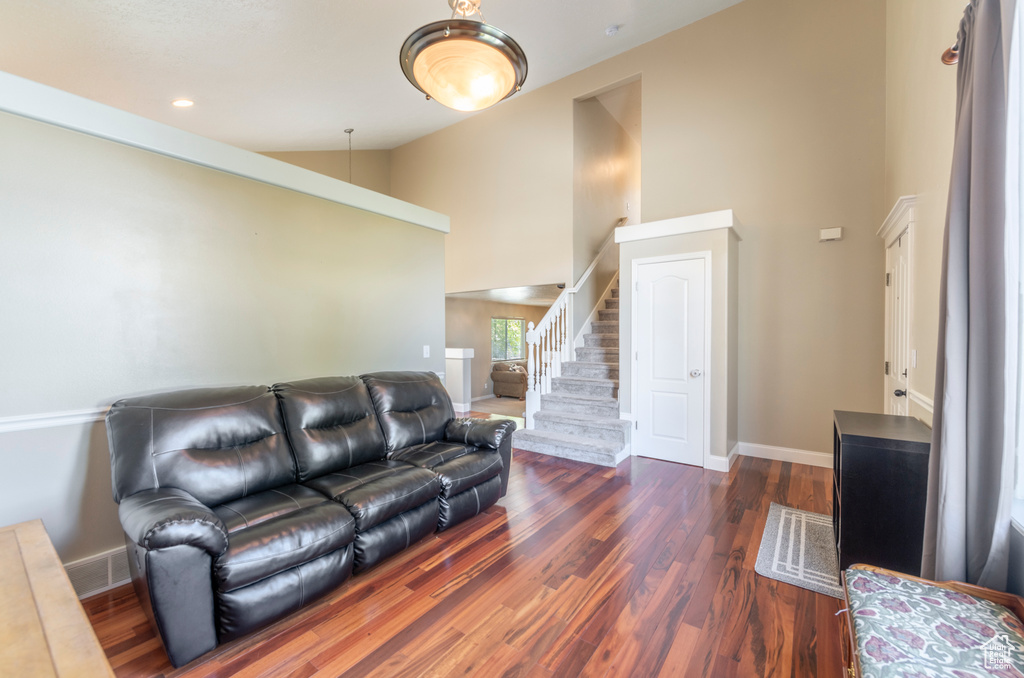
464	74
464	65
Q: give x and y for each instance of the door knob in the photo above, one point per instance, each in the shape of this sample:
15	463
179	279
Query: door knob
899	393
695	373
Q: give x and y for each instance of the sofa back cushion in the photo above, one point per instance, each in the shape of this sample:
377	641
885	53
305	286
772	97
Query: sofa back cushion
217	444
331	424
413	407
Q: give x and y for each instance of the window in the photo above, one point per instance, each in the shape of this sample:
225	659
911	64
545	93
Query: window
508	339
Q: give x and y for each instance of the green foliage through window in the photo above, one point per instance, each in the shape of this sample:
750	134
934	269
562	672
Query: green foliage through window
508	339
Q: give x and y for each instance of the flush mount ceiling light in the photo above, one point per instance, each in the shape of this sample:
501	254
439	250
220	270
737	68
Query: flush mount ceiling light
182	103
464	64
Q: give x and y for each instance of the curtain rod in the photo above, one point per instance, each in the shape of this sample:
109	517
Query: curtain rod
951	55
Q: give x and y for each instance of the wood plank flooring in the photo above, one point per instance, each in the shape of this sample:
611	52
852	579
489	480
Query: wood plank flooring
643	570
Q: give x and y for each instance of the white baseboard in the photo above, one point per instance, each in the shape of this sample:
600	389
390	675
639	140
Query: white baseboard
462	407
822	459
922	401
723	464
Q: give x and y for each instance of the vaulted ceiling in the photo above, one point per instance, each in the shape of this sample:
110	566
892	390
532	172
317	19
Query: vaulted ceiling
293	74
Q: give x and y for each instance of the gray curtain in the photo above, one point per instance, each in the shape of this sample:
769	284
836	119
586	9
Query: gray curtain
971	471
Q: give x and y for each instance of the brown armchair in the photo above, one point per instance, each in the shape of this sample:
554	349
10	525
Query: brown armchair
509	381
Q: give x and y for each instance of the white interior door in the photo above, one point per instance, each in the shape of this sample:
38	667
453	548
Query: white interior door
669	359
897	325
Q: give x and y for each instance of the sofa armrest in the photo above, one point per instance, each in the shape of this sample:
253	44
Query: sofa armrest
166	517
494	434
487	433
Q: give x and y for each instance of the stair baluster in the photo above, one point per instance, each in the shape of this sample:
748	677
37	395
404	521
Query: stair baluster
532	396
549	344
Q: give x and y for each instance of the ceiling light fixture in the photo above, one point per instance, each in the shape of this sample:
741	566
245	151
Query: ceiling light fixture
464	64
182	103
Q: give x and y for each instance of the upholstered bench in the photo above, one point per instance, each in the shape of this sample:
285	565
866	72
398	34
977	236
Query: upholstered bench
905	627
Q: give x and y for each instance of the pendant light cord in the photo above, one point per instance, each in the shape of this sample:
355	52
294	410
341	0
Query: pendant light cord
349	133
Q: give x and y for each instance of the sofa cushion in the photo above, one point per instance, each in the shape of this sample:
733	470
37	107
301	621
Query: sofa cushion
217	444
432	454
379	490
464	505
394	535
467	471
251	607
413	407
257	508
458	466
331	424
270	545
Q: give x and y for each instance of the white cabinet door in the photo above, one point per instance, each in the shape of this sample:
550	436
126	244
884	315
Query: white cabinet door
670	353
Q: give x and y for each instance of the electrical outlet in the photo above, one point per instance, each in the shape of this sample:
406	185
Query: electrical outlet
426	351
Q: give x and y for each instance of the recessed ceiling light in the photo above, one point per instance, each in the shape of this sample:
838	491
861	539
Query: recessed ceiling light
612	30
182	103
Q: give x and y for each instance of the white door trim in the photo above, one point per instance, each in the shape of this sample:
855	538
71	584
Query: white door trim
633	329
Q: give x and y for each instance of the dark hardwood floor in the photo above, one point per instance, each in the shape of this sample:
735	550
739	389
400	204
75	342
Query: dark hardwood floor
643	570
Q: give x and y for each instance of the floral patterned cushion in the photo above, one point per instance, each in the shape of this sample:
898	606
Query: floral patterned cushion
909	629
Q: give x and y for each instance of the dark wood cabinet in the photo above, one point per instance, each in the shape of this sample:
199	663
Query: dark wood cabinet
880	483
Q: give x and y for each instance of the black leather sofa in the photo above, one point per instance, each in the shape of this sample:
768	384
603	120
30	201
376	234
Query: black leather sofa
241	505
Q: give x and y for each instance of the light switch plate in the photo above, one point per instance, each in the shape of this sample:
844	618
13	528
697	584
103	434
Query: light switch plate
913	359
426	351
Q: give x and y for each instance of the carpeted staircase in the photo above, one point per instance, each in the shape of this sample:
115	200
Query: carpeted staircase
579	419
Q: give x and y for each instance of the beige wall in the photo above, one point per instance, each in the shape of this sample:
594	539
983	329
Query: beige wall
370	169
606	178
468	325
920	114
774	108
505	178
126	272
723	246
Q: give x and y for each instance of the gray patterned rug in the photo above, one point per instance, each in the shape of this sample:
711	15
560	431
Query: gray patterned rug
798	547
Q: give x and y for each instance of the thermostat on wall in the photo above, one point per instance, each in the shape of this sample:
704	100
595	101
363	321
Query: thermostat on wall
827	234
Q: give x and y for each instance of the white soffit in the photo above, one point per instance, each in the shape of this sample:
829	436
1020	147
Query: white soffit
531	295
38	102
709	221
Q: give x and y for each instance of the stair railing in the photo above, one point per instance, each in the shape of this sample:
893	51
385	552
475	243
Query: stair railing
549	344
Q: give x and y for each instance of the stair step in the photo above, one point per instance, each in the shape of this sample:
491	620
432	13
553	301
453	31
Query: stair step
598	355
604	327
607	408
566	446
613	430
601	340
601	388
579	368
611	304
615	292
612	315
